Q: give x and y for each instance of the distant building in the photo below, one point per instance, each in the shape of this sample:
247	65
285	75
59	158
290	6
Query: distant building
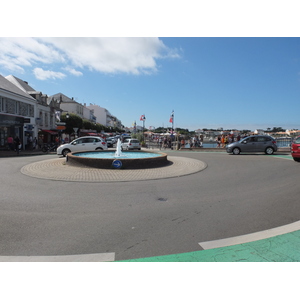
104	117
259	131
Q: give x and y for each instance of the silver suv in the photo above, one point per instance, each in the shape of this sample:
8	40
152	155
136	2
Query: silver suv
253	143
131	144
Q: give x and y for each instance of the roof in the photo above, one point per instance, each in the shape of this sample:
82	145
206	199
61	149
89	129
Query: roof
63	98
10	87
21	84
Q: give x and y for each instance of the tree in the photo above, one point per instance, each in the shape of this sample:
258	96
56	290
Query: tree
73	121
277	129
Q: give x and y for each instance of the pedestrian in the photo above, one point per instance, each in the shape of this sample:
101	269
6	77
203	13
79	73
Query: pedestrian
34	143
182	142
218	140
40	142
222	141
10	142
17	143
30	142
160	142
226	140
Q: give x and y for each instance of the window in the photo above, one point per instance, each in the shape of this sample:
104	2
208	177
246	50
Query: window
261	139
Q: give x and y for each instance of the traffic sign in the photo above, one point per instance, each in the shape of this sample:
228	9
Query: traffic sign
117	164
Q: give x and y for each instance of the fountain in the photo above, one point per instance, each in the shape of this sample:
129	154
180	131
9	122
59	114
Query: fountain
119	159
118	152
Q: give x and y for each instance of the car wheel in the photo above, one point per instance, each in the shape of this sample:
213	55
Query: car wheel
269	151
99	149
297	159
236	151
65	152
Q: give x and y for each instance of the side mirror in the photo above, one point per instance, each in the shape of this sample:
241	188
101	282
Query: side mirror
244	142
74	143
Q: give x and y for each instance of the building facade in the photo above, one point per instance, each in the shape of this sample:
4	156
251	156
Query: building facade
17	113
104	117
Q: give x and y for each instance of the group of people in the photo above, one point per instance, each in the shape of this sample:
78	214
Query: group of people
223	140
164	142
196	142
14	144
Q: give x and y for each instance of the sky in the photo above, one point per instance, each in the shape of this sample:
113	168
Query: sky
210	81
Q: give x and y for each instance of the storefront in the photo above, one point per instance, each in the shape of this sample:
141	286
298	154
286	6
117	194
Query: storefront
10	126
48	136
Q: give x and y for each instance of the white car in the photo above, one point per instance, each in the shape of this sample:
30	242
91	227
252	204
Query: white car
85	143
131	144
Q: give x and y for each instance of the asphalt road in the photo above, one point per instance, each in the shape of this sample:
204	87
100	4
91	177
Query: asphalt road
234	195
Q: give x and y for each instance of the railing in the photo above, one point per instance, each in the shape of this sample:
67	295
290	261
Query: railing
283	142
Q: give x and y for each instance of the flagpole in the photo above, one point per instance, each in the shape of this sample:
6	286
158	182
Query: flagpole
173	122
143	128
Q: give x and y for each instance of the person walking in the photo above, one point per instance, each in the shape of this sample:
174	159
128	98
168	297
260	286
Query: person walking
182	142
40	142
17	143
10	142
222	141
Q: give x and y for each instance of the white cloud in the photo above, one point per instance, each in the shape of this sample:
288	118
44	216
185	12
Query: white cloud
73	71
105	55
44	75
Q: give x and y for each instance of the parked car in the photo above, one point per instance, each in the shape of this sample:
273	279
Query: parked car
85	143
253	143
131	144
110	141
295	149
125	138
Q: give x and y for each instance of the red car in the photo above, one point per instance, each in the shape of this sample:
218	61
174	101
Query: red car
295	149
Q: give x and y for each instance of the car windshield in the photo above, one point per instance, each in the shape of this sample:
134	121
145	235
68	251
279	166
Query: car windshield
297	140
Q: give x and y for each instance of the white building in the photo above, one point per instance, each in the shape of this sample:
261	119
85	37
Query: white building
69	104
73	107
17	112
45	117
104	117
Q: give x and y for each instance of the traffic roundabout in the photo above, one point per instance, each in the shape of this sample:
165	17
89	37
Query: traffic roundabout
58	169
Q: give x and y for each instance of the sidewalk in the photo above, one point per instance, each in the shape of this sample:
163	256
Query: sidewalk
7	153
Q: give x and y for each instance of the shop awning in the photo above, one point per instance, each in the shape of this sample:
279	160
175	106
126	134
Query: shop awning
92	134
50	132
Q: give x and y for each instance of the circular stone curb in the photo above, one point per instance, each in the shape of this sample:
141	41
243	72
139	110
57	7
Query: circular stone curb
57	169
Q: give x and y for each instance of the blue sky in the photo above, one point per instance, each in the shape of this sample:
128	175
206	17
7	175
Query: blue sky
209	82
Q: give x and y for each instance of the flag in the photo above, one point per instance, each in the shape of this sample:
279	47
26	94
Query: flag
142	118
172	117
57	115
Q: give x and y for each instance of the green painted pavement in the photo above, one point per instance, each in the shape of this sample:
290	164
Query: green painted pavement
282	248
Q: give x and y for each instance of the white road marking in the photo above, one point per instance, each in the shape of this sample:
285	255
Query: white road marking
95	257
251	237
